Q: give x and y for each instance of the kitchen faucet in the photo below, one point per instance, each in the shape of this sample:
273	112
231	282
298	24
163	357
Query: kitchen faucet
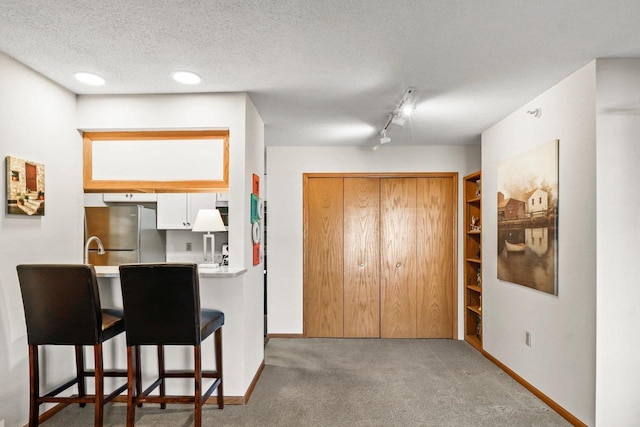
86	247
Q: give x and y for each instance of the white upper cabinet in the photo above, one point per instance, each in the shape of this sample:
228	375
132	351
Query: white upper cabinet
178	211
130	197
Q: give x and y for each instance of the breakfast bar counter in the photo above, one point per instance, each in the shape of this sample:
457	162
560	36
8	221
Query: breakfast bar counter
219	272
223	289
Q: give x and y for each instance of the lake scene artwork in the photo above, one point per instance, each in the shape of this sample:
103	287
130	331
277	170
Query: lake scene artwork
528	218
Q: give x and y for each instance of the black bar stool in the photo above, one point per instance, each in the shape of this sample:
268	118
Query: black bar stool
62	307
162	307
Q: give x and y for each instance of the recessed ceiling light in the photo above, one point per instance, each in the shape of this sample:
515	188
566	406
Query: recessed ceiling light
186	77
90	79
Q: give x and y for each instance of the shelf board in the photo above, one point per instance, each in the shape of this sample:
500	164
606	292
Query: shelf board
474	200
478	232
474	260
475	288
474	341
475	309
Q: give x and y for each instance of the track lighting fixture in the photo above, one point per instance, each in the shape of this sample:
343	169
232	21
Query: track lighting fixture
399	115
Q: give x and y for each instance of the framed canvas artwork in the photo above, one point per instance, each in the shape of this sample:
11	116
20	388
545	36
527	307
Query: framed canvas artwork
528	218
25	187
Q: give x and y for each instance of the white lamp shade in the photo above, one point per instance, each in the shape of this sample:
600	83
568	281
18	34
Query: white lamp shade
208	220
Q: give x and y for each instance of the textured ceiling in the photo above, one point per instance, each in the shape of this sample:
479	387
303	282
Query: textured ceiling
329	72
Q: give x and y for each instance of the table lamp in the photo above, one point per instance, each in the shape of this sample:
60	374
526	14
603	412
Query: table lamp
208	220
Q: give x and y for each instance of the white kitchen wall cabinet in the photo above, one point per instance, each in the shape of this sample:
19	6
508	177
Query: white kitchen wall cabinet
130	197
178	211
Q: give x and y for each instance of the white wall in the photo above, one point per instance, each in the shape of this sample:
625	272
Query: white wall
181	112
254	278
561	360
236	113
618	269
36	123
285	166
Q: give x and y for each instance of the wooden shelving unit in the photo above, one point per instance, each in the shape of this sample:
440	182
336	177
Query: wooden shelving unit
473	260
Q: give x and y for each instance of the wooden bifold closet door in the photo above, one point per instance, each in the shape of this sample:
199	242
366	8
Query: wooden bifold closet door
323	255
361	258
436	252
398	263
379	255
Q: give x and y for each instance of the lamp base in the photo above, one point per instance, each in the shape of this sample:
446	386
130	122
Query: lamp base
208	260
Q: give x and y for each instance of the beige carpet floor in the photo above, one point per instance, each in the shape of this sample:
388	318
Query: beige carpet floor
358	382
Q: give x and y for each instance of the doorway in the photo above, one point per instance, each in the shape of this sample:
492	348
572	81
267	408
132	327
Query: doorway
31	177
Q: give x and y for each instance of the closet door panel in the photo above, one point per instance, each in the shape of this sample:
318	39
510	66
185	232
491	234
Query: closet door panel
361	258
397	246
323	258
435	251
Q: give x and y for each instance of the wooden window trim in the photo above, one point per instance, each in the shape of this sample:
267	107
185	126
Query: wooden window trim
105	186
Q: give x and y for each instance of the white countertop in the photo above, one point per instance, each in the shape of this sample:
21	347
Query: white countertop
222	272
107	270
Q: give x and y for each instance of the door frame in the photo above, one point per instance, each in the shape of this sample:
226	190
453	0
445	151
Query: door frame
305	221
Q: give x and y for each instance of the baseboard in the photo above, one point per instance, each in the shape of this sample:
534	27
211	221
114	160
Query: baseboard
228	400
241	400
546	399
269	336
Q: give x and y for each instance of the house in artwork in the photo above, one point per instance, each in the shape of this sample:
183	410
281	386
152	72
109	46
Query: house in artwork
510	208
537	203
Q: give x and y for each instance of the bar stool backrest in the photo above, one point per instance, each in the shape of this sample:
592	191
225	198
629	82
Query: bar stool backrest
61	304
161	303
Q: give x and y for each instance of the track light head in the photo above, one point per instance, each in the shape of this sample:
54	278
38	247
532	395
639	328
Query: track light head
398	118
407	109
385	139
400	115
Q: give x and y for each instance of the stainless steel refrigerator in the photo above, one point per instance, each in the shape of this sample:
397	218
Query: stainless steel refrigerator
128	234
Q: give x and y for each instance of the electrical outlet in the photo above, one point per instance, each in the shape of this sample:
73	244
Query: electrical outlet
188	246
527	338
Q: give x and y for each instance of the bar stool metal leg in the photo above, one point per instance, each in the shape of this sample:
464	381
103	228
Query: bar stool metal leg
218	345
162	375
133	372
34	385
99	381
197	366
80	373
